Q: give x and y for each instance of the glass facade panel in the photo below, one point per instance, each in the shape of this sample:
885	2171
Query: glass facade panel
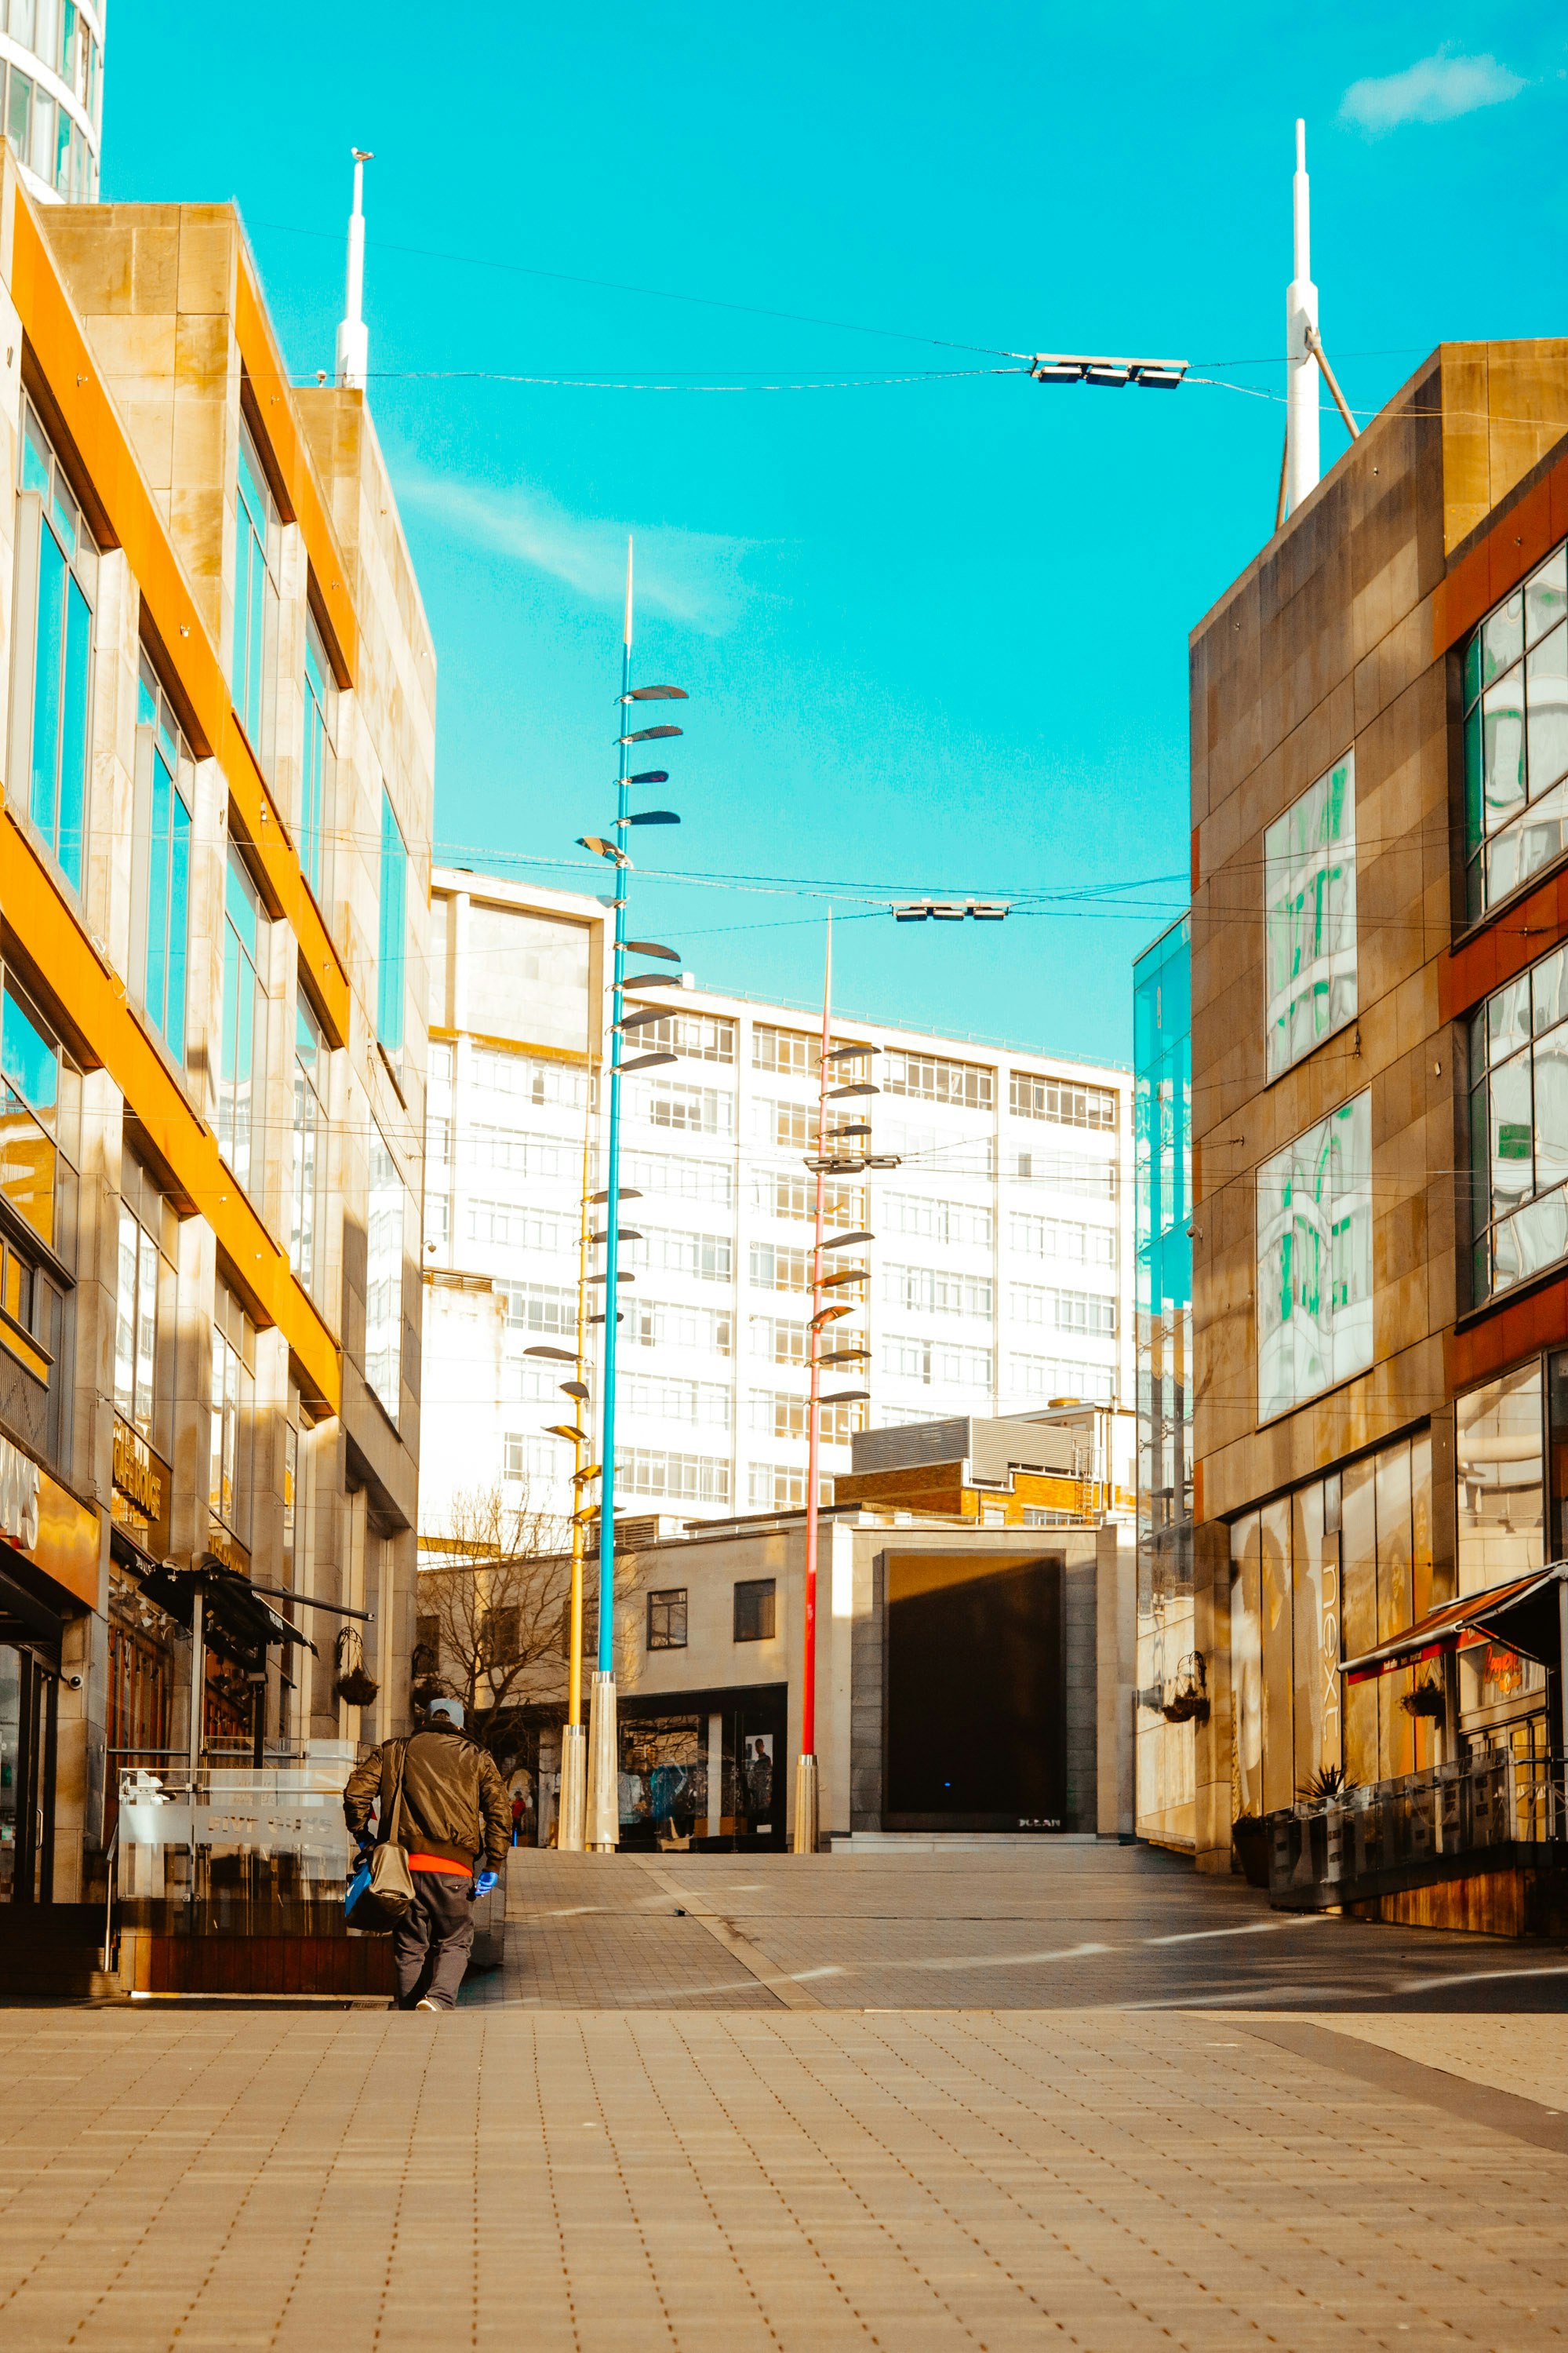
1358	1571
243	1052
1247	1666
391	981
1519	1128
1276	1632
1310	917
258	533
1516	736
318	762
1314	1260
61	696
384	1278
165	774
307	1171
1498	1449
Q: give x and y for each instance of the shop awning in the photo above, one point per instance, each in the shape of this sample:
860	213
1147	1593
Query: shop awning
1523	1615
234	1614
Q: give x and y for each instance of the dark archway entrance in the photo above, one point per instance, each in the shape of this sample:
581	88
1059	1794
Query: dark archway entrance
975	1693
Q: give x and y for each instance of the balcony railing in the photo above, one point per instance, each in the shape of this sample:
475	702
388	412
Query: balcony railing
1485	1811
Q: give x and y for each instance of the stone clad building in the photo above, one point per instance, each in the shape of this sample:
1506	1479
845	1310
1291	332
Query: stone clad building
1380	1241
214	889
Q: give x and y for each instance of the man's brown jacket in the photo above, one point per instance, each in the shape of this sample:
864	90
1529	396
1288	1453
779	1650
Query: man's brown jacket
454	1802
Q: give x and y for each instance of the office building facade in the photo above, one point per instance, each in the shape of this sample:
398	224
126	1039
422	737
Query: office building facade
999	1277
1380	771
213	892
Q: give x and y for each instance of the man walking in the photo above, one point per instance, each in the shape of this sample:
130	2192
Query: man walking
454	1810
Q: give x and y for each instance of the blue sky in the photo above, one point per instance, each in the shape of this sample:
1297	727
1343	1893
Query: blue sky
935	631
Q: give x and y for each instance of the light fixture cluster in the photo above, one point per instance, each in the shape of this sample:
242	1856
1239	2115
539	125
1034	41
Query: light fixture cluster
1074	367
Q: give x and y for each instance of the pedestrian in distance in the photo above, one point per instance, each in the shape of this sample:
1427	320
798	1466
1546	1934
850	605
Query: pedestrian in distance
454	1815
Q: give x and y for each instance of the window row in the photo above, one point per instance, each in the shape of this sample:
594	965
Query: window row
46	137
755	1604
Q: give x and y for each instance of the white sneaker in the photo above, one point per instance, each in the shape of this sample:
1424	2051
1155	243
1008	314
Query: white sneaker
426	2004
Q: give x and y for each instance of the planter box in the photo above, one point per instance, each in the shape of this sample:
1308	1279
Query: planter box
152	1961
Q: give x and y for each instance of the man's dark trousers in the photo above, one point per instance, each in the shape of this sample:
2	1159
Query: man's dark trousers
431	1947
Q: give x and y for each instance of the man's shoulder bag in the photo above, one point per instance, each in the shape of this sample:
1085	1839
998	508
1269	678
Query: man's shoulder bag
380	1894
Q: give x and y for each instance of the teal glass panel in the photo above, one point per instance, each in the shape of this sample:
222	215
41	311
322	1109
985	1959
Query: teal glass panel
157	989
27	1057
179	929
47	661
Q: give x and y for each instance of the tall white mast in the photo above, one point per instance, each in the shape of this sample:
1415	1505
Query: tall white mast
354	338
1301	375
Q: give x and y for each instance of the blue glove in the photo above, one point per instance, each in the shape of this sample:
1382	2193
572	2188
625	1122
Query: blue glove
485	1882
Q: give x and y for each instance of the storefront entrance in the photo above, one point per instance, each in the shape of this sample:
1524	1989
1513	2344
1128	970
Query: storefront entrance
30	1694
704	1770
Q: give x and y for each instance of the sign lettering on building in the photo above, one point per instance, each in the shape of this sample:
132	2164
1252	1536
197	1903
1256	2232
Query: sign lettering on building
140	1482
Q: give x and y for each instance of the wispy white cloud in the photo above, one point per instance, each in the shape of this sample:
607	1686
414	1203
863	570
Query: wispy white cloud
692	576
1435	89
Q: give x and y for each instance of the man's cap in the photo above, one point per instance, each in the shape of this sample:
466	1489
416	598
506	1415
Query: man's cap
452	1709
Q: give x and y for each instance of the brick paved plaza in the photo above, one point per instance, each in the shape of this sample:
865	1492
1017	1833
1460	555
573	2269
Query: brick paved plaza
1074	2095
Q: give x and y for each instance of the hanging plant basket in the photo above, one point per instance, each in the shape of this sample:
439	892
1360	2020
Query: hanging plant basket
356	1688
1426	1699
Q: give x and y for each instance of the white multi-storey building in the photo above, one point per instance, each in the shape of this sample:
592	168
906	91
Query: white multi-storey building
1000	1278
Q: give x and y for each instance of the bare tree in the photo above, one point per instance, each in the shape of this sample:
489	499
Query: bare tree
492	1613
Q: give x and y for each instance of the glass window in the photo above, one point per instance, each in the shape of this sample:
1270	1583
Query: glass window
318	766
384	1278
756	1609
680	1478
390	973
699	1037
41	155
58	716
163	769
1516	736
232	1414
1519	1128
136	1324
258	533
20	111
243	1048
667	1619
1500	1466
1061	1101
1314	1260
309	1169
931	1079
1310	917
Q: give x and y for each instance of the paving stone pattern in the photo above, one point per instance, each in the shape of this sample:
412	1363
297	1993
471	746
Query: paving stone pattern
598	2181
1063	1926
620	2144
